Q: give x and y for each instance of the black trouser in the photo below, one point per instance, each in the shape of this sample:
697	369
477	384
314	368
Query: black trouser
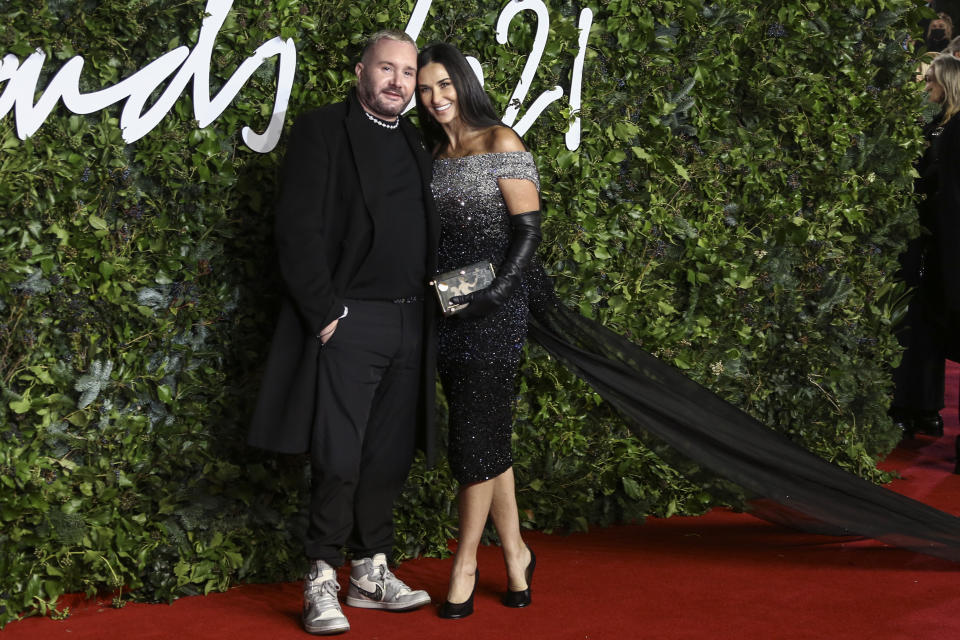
919	380
368	386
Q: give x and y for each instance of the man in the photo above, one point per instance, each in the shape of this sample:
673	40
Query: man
350	372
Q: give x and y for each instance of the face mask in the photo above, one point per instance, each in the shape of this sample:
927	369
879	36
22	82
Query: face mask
935	43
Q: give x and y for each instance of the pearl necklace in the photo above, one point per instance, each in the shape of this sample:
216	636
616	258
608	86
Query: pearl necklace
385	125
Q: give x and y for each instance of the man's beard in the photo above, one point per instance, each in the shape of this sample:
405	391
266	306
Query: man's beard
369	97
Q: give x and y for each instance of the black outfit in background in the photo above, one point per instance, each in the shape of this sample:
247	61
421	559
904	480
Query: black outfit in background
931	266
355	230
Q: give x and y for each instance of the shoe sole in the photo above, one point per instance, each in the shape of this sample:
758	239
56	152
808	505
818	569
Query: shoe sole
364	603
327	631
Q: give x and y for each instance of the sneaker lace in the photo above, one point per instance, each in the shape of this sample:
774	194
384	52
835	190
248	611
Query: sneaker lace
323	593
387	576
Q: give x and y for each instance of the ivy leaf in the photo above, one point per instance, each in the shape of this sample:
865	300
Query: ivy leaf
632	488
97	222
566	159
42	374
91	383
665	307
20	406
615	157
681	170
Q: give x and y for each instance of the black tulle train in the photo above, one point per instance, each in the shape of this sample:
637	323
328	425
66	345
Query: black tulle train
787	483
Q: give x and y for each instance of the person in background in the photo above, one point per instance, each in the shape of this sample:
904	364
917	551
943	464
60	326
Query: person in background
953	48
939	32
350	374
930	264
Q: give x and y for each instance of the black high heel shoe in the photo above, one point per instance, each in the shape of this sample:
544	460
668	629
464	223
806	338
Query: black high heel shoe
521	598
454	610
929	423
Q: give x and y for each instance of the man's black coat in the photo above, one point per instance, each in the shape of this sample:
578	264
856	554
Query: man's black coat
323	231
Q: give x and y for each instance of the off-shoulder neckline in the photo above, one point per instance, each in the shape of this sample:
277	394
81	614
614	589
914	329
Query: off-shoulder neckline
480	155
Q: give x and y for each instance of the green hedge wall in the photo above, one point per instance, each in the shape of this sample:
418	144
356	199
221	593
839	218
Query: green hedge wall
736	206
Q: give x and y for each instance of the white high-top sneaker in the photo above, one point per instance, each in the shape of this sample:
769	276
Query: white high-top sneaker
321	608
373	586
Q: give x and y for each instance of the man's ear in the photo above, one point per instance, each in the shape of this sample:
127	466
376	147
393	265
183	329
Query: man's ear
358	69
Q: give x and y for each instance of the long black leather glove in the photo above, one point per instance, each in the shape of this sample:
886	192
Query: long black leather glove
524	240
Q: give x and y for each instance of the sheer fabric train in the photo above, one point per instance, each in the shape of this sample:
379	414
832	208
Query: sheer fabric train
789	485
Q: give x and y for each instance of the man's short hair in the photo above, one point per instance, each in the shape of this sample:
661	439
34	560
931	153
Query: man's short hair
385	34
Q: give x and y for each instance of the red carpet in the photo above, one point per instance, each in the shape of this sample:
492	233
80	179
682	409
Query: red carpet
719	576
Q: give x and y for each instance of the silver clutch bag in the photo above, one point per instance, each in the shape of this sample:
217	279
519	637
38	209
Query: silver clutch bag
460	282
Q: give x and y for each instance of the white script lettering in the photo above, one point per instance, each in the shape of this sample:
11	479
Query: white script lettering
136	89
188	67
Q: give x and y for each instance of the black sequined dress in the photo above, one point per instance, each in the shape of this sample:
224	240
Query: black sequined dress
478	358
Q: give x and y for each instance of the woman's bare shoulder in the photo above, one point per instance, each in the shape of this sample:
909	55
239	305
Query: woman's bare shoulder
502	139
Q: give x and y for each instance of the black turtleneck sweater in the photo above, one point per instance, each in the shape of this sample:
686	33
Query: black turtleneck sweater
395	267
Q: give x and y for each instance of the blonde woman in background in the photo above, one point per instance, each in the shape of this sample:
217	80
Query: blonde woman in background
931	264
939	32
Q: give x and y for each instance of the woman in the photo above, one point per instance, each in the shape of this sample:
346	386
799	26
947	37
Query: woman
939	32
485	186
930	264
486	189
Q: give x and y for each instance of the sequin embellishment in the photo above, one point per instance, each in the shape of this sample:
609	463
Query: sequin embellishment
478	358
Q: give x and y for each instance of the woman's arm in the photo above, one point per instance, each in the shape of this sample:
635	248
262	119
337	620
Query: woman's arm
523	203
519	194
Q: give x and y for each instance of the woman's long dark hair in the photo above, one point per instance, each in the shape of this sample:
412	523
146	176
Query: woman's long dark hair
473	103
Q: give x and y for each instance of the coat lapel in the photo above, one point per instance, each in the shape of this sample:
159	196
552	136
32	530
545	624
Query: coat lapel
363	154
425	167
